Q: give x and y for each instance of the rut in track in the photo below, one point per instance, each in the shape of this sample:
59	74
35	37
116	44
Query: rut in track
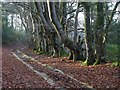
68	80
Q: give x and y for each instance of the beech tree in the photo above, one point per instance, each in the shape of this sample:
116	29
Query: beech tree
75	48
48	26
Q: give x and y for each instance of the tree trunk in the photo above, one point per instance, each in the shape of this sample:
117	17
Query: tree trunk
99	35
67	42
88	34
76	24
12	21
64	15
49	28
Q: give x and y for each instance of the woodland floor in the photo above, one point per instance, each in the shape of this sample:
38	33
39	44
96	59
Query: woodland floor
61	73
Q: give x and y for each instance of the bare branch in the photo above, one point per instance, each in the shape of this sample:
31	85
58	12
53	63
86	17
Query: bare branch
111	17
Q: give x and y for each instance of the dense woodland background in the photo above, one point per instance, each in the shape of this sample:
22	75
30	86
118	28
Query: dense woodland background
84	31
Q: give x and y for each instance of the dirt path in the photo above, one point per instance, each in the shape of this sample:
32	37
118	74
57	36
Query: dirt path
17	75
25	69
54	77
20	72
100	76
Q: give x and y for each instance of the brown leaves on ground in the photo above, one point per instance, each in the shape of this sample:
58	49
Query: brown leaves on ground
15	74
99	76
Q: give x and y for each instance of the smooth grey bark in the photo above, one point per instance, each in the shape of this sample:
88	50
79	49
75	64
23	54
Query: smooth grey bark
12	21
56	41
67	42
99	34
64	16
88	34
49	28
75	30
76	24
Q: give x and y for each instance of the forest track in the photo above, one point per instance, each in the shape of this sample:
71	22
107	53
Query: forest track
16	75
52	76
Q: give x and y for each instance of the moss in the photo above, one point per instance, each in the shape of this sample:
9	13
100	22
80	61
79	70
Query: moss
38	51
117	64
96	62
35	50
85	63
